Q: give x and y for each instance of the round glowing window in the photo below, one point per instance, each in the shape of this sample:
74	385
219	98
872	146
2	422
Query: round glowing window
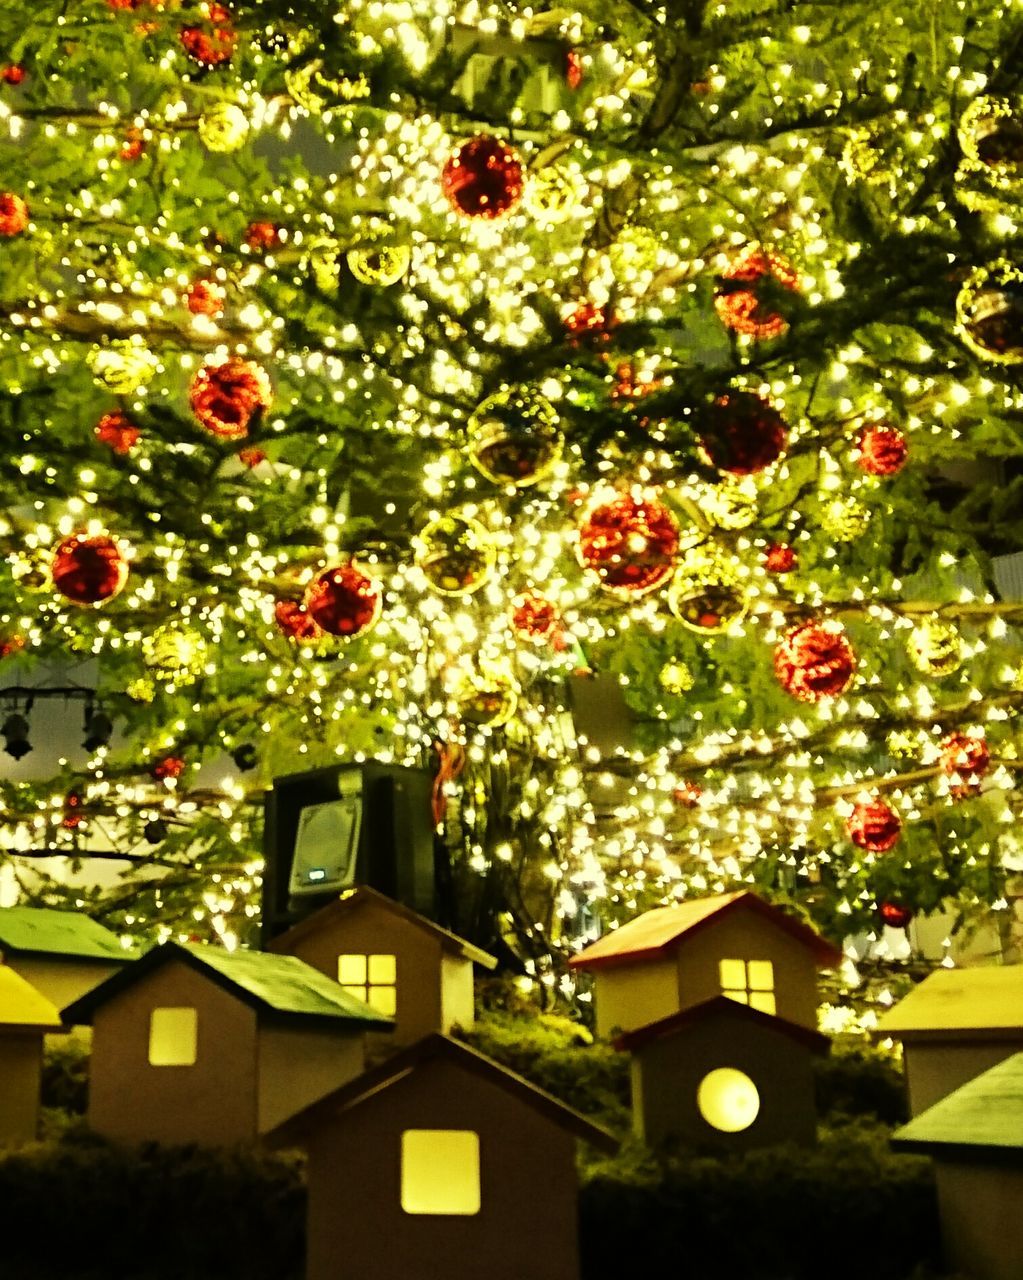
728	1100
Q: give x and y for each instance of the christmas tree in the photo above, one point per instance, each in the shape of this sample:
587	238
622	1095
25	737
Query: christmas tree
613	409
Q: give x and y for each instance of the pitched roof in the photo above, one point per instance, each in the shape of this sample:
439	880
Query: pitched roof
22	1007
987	1111
294	1130
720	1006
282	986
656	933
352	899
45	932
951	1003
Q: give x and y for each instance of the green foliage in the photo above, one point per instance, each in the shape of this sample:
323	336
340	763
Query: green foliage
65	1078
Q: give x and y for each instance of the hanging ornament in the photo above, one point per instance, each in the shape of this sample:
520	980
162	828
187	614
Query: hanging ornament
141	690
483	179
73	817
991	134
882	450
123	367
13	73
133	146
874	825
630	544
212	45
118	432
324	263
88	569
204	298
226	397
631	383
224	127
634	252
965	758
487	699
706	593
687	794
11	642
742	433
533	616
262	237
845	519
514	437
989	313
935	647
894	914
175	652
380	265
344	601
590	323
13	214
296	622
865	158
554	193
815	660
731	503
749	290
780	558
456	554
573	69
168	768
675	678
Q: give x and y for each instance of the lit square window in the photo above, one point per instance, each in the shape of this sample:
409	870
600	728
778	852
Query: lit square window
173	1037
372	979
440	1171
351	970
749	982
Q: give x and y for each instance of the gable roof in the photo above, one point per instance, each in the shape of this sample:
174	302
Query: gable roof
281	986
720	1006
352	899
986	1112
656	933
43	931
438	1047
952	1003
22	1007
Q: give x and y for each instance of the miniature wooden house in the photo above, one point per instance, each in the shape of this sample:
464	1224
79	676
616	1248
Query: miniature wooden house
722	1074
955	1025
63	954
734	944
199	1044
394	959
975	1137
438	1163
25	1017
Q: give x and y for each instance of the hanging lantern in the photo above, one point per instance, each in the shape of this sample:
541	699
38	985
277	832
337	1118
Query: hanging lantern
514	438
344	601
815	660
483	178
989	313
456	554
630	544
742	433
89	570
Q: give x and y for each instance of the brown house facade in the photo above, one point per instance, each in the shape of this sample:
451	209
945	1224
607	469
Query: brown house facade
25	1017
197	1044
441	1165
396	960
733	944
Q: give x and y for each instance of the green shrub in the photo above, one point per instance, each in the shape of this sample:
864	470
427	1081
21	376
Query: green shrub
859	1079
65	1080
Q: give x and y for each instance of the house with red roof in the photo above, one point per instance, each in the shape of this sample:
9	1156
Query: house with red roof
734	945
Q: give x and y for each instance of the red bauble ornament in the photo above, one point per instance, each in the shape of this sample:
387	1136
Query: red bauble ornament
573	68
743	433
73	815
13	214
883	451
204	298
483	179
133	147
534	616
780	558
251	458
815	660
590	321
168	767
213	47
87	569
966	758
263	236
874	825
11	644
226	397
13	74
344	601
630	544
118	431
748	288
294	620
894	914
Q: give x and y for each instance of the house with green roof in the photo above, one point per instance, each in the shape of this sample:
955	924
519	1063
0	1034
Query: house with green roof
63	954
199	1044
975	1137
25	1017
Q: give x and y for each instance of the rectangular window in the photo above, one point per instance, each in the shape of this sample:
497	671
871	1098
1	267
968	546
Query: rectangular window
173	1037
373	979
440	1171
749	982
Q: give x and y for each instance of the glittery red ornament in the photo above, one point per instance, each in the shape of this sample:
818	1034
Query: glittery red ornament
168	767
573	69
967	759
630	544
133	147
894	914
87	569
251	458
263	236
204	298
534	616
118	431
344	601
780	558
212	47
226	397
874	825
483	179
590	321
73	815
749	288
11	644
883	451
742	433
294	620
12	74
814	660
631	385
13	214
